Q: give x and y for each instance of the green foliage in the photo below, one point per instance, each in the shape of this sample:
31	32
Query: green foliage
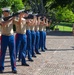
0	11
63	3
6	3
52	26
17	5
58	10
64	14
26	4
14	4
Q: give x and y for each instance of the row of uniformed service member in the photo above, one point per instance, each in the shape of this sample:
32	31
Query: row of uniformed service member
30	36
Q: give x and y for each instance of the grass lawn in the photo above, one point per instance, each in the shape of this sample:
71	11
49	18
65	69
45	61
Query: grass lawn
64	26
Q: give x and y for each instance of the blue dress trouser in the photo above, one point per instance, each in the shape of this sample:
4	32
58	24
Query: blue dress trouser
7	41
33	35
29	42
20	52
21	41
44	39
37	41
41	40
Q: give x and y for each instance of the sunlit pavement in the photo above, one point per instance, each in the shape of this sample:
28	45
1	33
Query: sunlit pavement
57	60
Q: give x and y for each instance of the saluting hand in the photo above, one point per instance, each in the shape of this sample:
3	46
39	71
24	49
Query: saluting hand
44	18
41	23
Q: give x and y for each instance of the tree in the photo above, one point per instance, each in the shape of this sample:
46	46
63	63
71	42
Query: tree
14	4
17	5
6	3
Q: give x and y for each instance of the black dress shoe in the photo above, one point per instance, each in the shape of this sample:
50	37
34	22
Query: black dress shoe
25	64
45	48
14	71
38	53
34	56
31	60
1	71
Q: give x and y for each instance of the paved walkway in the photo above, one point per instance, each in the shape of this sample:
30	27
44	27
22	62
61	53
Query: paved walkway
57	60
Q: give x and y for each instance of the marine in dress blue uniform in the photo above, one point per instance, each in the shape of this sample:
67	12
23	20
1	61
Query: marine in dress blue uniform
21	39
37	36
7	39
29	40
41	29
33	35
46	24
